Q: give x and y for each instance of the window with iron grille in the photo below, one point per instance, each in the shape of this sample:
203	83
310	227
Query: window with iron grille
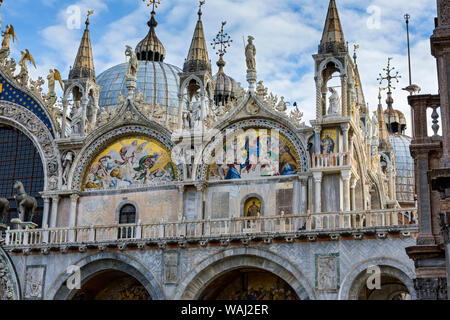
20	161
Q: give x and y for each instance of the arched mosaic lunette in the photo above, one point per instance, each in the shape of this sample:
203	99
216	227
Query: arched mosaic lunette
32	126
110	137
10	92
202	169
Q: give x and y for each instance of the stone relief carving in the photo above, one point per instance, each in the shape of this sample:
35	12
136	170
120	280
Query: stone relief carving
34	282
327	272
6	282
171	267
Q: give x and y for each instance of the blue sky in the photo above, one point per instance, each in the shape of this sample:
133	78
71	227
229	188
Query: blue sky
287	34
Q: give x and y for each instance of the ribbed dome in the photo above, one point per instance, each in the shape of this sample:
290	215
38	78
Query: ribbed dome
404	167
226	88
158	81
395	121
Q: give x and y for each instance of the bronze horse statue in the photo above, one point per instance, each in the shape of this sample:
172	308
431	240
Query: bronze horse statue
26	205
4	207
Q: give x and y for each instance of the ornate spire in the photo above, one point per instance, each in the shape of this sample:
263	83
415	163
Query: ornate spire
150	48
381	122
197	59
84	62
333	37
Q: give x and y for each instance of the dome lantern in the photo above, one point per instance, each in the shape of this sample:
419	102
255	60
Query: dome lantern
151	48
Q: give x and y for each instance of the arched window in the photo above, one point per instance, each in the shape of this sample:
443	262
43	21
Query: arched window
20	161
127	216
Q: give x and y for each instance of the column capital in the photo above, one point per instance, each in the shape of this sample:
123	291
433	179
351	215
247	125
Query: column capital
55	198
317	129
74	197
201	186
353	182
181	188
317	176
345	126
346	175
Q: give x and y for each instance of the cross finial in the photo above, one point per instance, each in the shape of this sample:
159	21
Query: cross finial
153	3
389	77
222	41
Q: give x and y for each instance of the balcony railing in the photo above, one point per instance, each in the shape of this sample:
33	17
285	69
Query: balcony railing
331	160
217	229
422	122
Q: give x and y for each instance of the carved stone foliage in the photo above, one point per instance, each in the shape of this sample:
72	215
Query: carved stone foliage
8	287
37	128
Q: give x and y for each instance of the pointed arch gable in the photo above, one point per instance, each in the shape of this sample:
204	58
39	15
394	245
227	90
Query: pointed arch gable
206	157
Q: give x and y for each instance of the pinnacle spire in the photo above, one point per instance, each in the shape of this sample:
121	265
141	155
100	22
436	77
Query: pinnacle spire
84	61
333	36
197	59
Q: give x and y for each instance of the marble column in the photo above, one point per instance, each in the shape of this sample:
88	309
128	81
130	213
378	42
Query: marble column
317	131
46	212
180	203
353	193
296	197
201	193
54	215
346	174
344	96
304	198
318	191
73	215
345	127
84	104
64	120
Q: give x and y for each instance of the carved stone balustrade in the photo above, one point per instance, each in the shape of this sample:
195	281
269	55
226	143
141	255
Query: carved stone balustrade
287	227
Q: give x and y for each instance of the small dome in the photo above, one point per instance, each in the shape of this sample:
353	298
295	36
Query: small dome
395	121
226	88
404	167
158	81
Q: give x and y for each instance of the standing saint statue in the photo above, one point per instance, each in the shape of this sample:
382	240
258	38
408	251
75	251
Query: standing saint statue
334	107
250	54
133	64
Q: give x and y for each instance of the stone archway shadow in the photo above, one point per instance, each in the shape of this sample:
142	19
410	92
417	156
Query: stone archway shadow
210	269
98	263
388	266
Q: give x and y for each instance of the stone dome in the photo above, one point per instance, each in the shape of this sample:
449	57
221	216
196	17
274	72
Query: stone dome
158	81
404	167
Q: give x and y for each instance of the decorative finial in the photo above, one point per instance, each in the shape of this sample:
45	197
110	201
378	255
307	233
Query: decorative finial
153	3
389	78
89	13
201	4
223	40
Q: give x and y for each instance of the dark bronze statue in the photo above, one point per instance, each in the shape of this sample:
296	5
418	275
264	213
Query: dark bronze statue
26	205
4	207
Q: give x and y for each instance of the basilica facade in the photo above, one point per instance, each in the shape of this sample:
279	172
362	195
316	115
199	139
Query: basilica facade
156	181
